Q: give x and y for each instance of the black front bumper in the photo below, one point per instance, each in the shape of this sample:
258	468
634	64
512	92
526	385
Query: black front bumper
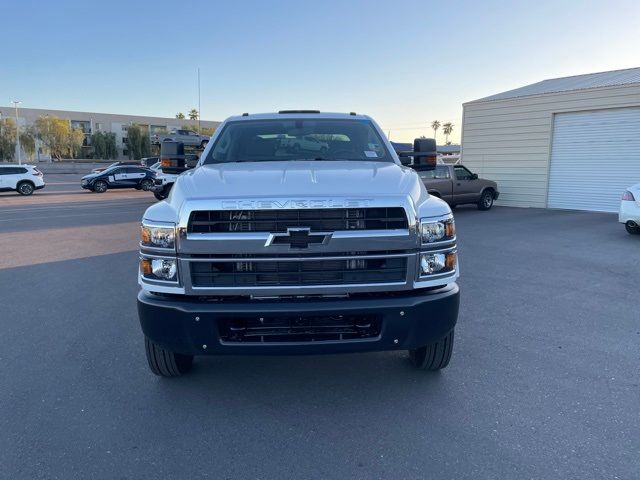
191	327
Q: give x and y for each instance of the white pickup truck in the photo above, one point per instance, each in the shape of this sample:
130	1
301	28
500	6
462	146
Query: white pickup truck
261	250
187	137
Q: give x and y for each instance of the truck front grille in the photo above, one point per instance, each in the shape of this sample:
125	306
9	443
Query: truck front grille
277	273
274	221
296	328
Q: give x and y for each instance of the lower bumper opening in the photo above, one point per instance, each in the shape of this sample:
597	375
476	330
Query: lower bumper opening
296	328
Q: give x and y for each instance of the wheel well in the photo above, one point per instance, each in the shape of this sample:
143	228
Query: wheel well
435	193
26	181
488	189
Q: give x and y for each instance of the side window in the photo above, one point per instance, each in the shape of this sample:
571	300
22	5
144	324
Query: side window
13	171
438	173
442	173
428	174
462	173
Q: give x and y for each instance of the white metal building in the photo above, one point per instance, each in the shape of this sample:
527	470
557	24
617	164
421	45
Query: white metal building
570	142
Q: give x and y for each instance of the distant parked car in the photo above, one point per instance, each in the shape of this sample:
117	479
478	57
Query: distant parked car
24	179
116	164
304	144
457	185
119	177
630	209
188	137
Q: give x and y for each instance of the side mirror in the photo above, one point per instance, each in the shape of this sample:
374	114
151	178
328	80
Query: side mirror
172	157
474	176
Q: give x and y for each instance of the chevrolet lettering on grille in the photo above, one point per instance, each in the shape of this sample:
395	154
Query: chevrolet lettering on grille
298	238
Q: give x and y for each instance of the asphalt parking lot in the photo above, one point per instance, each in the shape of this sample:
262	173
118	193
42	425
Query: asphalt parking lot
544	381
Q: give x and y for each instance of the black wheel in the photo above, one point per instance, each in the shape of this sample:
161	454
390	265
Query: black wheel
434	356
632	227
100	186
165	363
486	200
25	188
164	193
146	184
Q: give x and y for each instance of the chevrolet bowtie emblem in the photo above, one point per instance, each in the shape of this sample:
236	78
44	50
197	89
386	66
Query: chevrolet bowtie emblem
299	238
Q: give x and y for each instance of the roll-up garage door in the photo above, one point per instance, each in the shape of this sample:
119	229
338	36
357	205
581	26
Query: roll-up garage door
595	156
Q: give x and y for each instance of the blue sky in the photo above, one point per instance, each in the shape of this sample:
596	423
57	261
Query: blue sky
405	63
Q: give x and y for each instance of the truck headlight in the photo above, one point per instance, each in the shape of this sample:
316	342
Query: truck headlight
432	263
437	231
165	269
158	236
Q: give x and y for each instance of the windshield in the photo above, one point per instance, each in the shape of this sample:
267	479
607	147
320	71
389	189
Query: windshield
298	139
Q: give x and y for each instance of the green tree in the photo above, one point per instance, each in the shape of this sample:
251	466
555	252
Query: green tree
435	125
54	133
193	114
207	131
138	142
99	144
145	145
111	150
28	141
7	139
75	139
180	115
447	129
133	142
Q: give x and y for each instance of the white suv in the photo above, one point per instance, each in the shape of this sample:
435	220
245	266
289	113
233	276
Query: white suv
22	178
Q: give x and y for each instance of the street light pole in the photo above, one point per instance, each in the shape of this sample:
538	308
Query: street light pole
199	112
15	104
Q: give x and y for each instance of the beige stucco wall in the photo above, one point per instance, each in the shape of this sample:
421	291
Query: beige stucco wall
509	141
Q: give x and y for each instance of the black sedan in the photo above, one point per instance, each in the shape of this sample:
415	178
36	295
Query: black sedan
119	177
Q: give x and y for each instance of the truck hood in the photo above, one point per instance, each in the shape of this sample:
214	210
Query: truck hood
299	178
287	184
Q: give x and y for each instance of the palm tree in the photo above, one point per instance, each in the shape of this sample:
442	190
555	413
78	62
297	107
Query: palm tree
435	125
180	115
447	129
193	114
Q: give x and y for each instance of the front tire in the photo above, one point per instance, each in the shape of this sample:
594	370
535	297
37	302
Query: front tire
486	200
164	193
25	188
632	227
434	356
100	186
164	363
146	185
